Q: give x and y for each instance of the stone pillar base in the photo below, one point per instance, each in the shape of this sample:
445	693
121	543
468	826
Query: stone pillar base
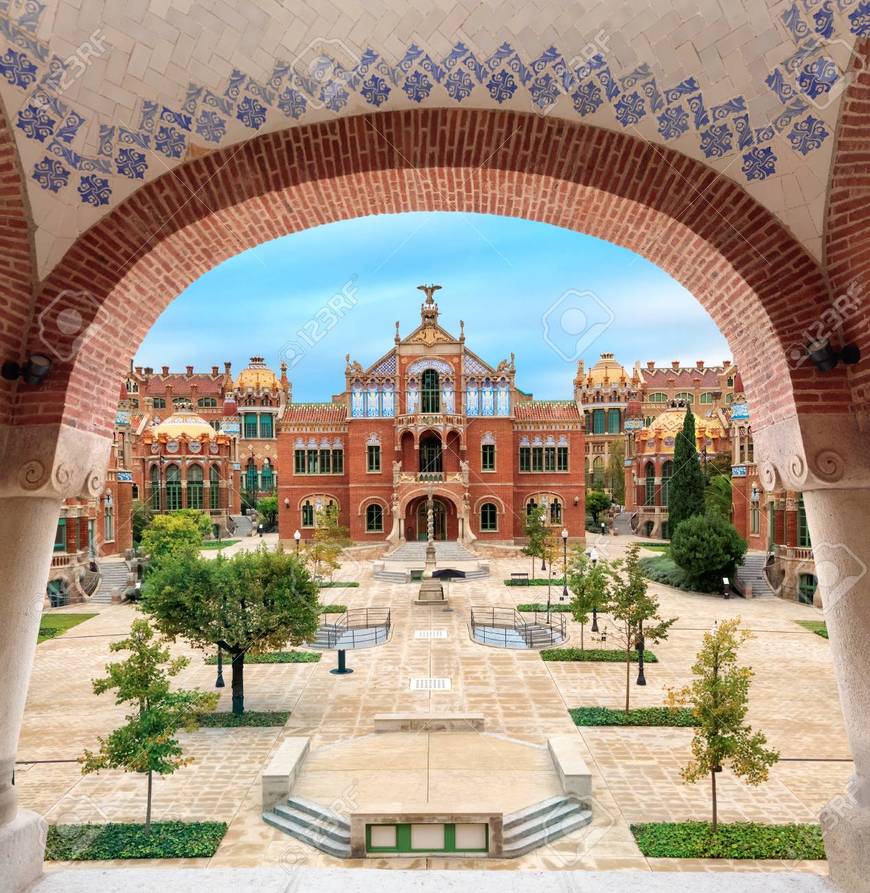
846	830
22	847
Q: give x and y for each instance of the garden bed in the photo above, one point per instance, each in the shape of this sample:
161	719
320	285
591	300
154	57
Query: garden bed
819	627
250	718
538	581
274	657
52	625
165	840
639	716
339	584
595	655
662	569
218	544
542	608
333	609
738	840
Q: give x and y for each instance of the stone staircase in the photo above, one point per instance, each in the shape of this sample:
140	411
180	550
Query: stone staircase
241	525
622	523
751	573
395	567
313	824
542	823
114	575
446	552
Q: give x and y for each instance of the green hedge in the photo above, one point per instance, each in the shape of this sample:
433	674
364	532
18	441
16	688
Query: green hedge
274	657
598	655
556	581
333	609
663	569
339	584
218	544
542	608
639	716
819	627
264	719
166	840
738	840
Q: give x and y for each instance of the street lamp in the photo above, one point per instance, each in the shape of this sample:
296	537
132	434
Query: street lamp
297	536
564	564
593	560
641	679
219	682
543	521
260	530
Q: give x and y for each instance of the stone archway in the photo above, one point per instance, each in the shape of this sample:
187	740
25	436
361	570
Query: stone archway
759	284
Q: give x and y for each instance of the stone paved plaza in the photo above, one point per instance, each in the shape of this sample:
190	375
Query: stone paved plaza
524	699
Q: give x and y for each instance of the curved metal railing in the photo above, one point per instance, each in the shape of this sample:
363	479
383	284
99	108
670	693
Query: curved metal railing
356	628
507	628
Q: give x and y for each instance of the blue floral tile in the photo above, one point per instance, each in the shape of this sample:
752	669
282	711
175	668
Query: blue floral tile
148	117
823	20
458	84
545	91
673	122
94	190
792	20
211	126
859	20
417	86
630	108
35	123
70	127
684	88
251	113
759	163
587	98
745	137
169	142
808	135
501	86
50	174
818	77
131	164
292	103
716	141
17	69
699	110
777	82
375	91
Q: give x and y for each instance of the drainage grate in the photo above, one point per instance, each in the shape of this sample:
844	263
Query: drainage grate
430	634
430	683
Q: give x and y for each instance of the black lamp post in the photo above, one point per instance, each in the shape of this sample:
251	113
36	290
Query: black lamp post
219	682
543	521
564	564
593	558
260	530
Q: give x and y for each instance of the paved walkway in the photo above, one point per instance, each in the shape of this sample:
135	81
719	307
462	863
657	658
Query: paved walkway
524	699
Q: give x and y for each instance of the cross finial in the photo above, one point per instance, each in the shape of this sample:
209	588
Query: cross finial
429	290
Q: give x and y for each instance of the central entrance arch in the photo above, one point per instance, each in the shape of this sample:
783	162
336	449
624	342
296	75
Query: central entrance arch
439	516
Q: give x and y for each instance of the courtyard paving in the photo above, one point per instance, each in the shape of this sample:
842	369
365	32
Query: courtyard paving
524	699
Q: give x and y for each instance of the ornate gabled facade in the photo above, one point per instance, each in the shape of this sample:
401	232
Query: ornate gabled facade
431	415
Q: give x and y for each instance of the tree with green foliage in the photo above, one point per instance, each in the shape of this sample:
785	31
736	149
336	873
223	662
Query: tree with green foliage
535	531
686	492
717	496
707	548
616	471
267	509
719	699
588	582
634	611
597	502
174	533
251	603
331	537
717	464
140	517
146	743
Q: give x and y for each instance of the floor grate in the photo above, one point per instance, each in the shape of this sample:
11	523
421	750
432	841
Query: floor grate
430	683
430	634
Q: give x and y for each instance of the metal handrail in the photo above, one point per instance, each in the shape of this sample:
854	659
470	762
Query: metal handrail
365	625
541	630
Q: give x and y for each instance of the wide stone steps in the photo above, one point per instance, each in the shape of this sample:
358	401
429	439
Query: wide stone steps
445	552
622	523
241	525
113	579
752	572
311	823
542	823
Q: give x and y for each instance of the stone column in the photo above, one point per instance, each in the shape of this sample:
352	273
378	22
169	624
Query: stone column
39	467
826	459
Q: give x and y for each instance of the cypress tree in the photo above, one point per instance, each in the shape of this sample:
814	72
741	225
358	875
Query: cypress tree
686	497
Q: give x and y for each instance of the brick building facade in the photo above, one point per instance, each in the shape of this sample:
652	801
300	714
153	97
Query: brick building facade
430	413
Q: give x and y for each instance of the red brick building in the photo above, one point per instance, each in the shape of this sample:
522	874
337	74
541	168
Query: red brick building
430	413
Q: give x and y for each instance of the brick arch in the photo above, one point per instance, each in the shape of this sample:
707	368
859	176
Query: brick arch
847	218
757	282
16	261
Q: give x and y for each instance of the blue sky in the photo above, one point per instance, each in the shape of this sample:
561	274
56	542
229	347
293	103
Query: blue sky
549	295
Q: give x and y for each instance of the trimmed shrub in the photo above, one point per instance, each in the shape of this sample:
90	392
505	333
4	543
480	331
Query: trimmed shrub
276	657
264	719
166	840
595	655
639	716
707	548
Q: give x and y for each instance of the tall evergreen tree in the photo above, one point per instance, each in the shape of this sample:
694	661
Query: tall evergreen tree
686	496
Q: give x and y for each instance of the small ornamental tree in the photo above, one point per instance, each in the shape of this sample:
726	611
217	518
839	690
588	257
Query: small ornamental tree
634	611
267	509
146	743
174	533
536	532
719	699
323	551
616	471
140	517
597	502
717	496
686	491
707	548
588	583
248	604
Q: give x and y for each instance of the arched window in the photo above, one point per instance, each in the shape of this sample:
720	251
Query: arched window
650	495
267	478
207	403
598	421
155	488
807	584
134	491
173	488
667	472
374	518
803	530
613	421
109	521
531	507
707	397
214	495
488	517
686	396
251	480
430	392
158	403
307	514
598	472
730	382
555	512
194	487
657	397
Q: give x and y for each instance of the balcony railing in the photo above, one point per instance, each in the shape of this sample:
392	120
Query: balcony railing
430	419
423	477
795	553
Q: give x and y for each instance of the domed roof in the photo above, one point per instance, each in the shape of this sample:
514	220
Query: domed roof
186	422
607	367
257	376
670	421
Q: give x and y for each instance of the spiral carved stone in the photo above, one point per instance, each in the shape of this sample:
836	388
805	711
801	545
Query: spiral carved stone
32	475
768	475
63	476
94	482
829	465
797	469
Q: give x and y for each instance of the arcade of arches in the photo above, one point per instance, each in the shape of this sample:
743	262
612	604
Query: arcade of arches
774	242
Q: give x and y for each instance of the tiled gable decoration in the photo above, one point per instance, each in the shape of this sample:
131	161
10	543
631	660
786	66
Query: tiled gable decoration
804	82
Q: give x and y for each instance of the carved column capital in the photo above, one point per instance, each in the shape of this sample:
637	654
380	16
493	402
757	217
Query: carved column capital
813	452
52	461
